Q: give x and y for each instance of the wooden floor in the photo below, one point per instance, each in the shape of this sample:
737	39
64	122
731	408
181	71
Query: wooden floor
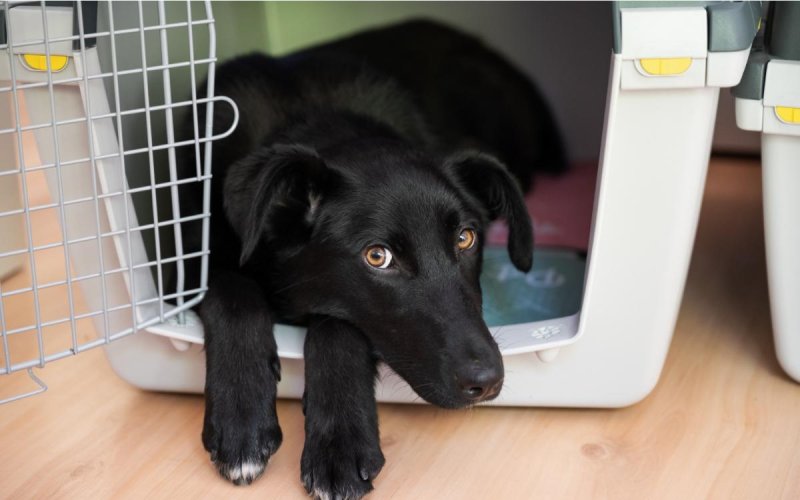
723	422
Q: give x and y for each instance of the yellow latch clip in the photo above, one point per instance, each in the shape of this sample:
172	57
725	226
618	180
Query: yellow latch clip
38	62
665	66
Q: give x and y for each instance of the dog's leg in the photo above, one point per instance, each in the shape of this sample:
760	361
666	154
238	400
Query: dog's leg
342	453
242	369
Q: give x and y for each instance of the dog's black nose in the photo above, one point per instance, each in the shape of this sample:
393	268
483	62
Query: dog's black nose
479	383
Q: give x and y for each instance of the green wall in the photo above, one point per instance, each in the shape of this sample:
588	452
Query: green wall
281	27
564	47
240	27
292	25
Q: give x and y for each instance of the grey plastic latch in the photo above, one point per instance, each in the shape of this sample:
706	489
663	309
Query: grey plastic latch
752	84
732	25
783	30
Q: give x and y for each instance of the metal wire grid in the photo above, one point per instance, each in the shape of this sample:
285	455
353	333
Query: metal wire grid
95	169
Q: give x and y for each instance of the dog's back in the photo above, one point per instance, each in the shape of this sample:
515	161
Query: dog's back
438	86
435	87
470	95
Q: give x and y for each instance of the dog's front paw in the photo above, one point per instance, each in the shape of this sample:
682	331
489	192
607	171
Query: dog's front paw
240	450
340	467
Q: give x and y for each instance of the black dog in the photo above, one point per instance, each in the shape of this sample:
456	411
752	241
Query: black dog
349	208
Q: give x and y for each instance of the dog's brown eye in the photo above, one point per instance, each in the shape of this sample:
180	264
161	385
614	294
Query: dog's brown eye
378	256
466	239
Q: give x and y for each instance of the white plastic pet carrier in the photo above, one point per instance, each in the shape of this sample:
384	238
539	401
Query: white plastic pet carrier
768	101
84	90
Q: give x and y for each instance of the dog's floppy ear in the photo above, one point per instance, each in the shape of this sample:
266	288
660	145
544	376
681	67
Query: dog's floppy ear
275	191
486	179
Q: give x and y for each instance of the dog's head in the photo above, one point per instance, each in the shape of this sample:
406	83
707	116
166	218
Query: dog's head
390	241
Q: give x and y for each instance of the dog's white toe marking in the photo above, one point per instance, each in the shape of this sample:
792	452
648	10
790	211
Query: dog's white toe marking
246	471
252	469
320	495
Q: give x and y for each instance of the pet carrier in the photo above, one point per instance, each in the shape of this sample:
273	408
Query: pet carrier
768	101
572	333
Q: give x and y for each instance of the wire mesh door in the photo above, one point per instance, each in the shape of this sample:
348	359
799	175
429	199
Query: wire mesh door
98	101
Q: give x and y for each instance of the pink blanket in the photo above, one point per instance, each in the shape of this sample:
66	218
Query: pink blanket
561	208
